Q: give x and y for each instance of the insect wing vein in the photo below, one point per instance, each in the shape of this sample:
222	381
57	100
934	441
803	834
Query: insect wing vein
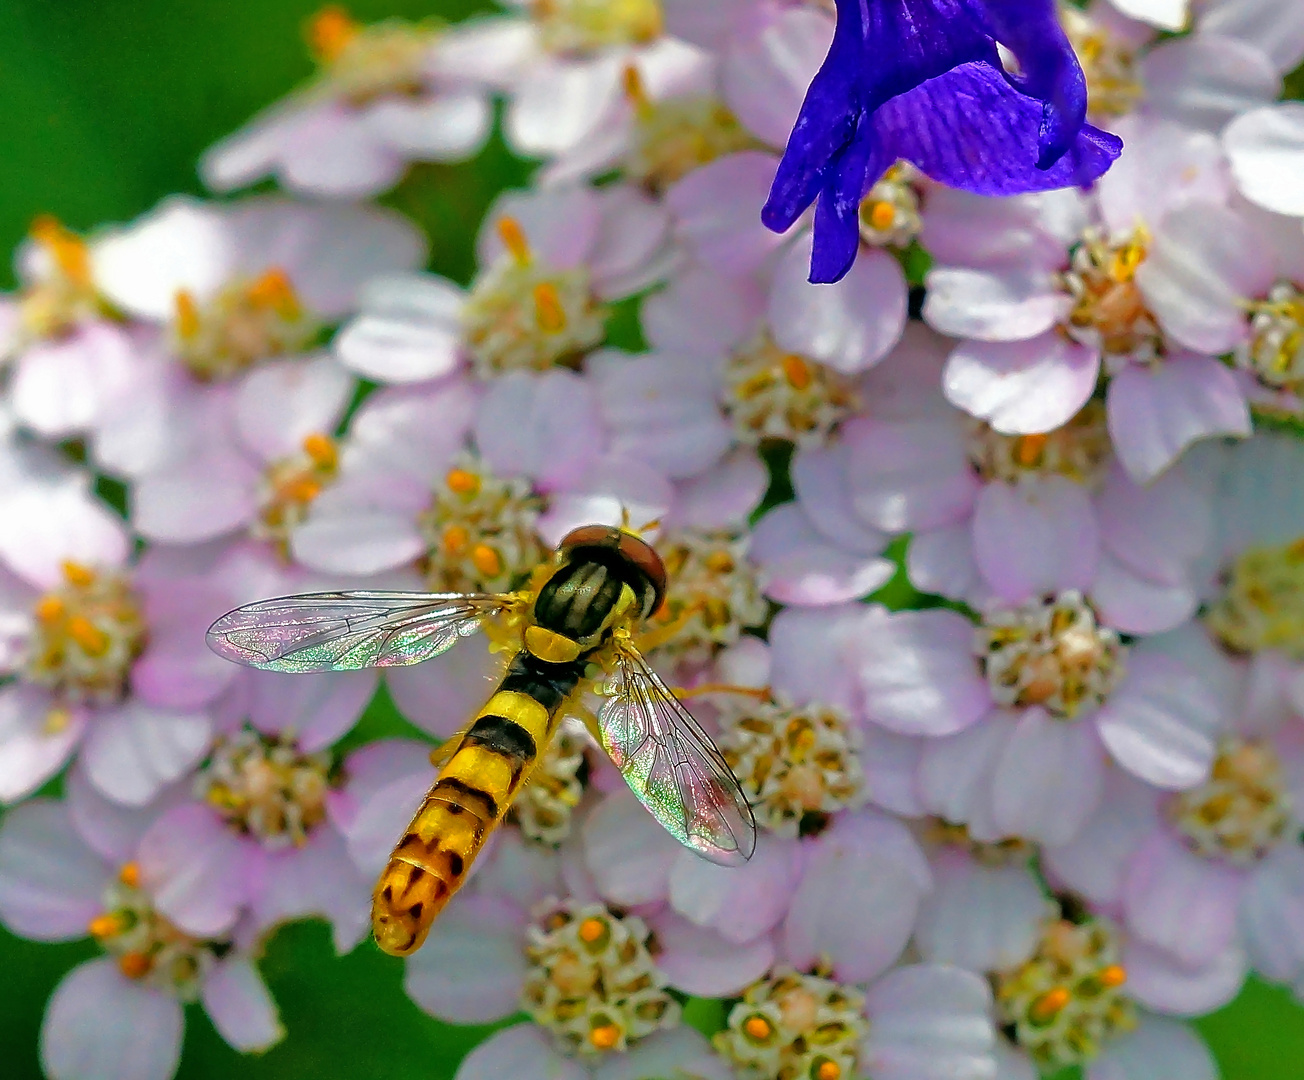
672	765
345	631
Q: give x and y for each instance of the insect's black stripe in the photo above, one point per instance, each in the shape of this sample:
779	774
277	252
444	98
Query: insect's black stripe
549	684
503	736
458	793
577	600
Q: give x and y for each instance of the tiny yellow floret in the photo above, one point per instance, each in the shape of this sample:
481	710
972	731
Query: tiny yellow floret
462	482
486	560
513	238
605	1036
591	930
77	574
1049	1005
129	875
1114	975
134	965
548	311
881	216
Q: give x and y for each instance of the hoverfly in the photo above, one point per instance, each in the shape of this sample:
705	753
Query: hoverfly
573	627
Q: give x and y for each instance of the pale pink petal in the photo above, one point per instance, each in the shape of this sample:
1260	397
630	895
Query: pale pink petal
1159	1049
765	75
809	650
62	386
522	1052
1272	915
133	749
1158	530
446	126
1180	902
100	1025
978	917
800	567
678	1052
559	102
545	427
196	869
1159	982
1002	234
332	152
1002	305
956	774
1138	605
1155	413
850	325
722	497
472	967
631	250
379	821
111	828
31	749
615	489
1094	863
1013	1063
1266	148
51	883
1205	80
942	561
929	1022
739	903
1036	538
371	768
44	525
717	212
891	764
699	961
1048	779
519	870
917	673
1159	724
314	712
283	401
343	537
857	900
1273	27
196	500
628	853
702	313
237	1001
440	694
819	476
1202	265
1165	14
317	878
1022	387
560	224
909	475
409	330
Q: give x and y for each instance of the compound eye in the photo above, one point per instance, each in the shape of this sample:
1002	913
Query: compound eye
642	555
591	536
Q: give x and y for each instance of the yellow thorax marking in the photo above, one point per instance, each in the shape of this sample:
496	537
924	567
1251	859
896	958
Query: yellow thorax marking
521	709
551	647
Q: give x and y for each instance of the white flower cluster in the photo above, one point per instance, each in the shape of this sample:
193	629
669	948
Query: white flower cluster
986	562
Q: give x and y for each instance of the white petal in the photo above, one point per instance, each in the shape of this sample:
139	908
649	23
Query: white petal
1159	1049
282	402
134	750
51	883
237	1001
409	329
1266	148
1005	305
1206	80
978	917
930	1022
1275	27
521	1052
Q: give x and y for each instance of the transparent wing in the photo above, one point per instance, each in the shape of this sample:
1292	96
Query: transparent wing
671	764
344	631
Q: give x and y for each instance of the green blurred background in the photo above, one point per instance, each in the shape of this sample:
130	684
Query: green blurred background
104	108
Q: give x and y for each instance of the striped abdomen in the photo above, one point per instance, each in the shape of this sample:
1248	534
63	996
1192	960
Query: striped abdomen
469	798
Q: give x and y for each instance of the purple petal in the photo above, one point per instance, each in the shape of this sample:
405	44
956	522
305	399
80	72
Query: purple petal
237	1001
196	869
1159	982
701	962
51	883
800	567
133	750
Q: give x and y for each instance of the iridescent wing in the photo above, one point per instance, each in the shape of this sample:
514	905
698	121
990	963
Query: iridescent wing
671	764
345	631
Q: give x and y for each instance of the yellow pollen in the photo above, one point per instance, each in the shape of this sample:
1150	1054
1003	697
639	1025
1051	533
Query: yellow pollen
57	720
456	538
129	875
329	32
1112	976
134	965
635	90
1049	1005
758	1028
828	1070
881	217
486	560
1123	265
92	640
77	574
1028	449
462	482
513	238
68	250
720	562
105	925
187	315
274	291
300	489
591	930
50	609
797	372
548	312
605	1036
321	448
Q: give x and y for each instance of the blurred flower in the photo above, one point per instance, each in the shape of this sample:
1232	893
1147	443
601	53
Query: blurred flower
381	99
119	1017
926	84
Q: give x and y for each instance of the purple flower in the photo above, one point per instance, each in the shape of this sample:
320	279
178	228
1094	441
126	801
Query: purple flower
921	80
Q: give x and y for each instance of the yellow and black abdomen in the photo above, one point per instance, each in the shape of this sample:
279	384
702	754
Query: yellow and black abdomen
468	800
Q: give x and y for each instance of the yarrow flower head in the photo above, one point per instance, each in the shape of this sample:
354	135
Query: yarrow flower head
923	81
